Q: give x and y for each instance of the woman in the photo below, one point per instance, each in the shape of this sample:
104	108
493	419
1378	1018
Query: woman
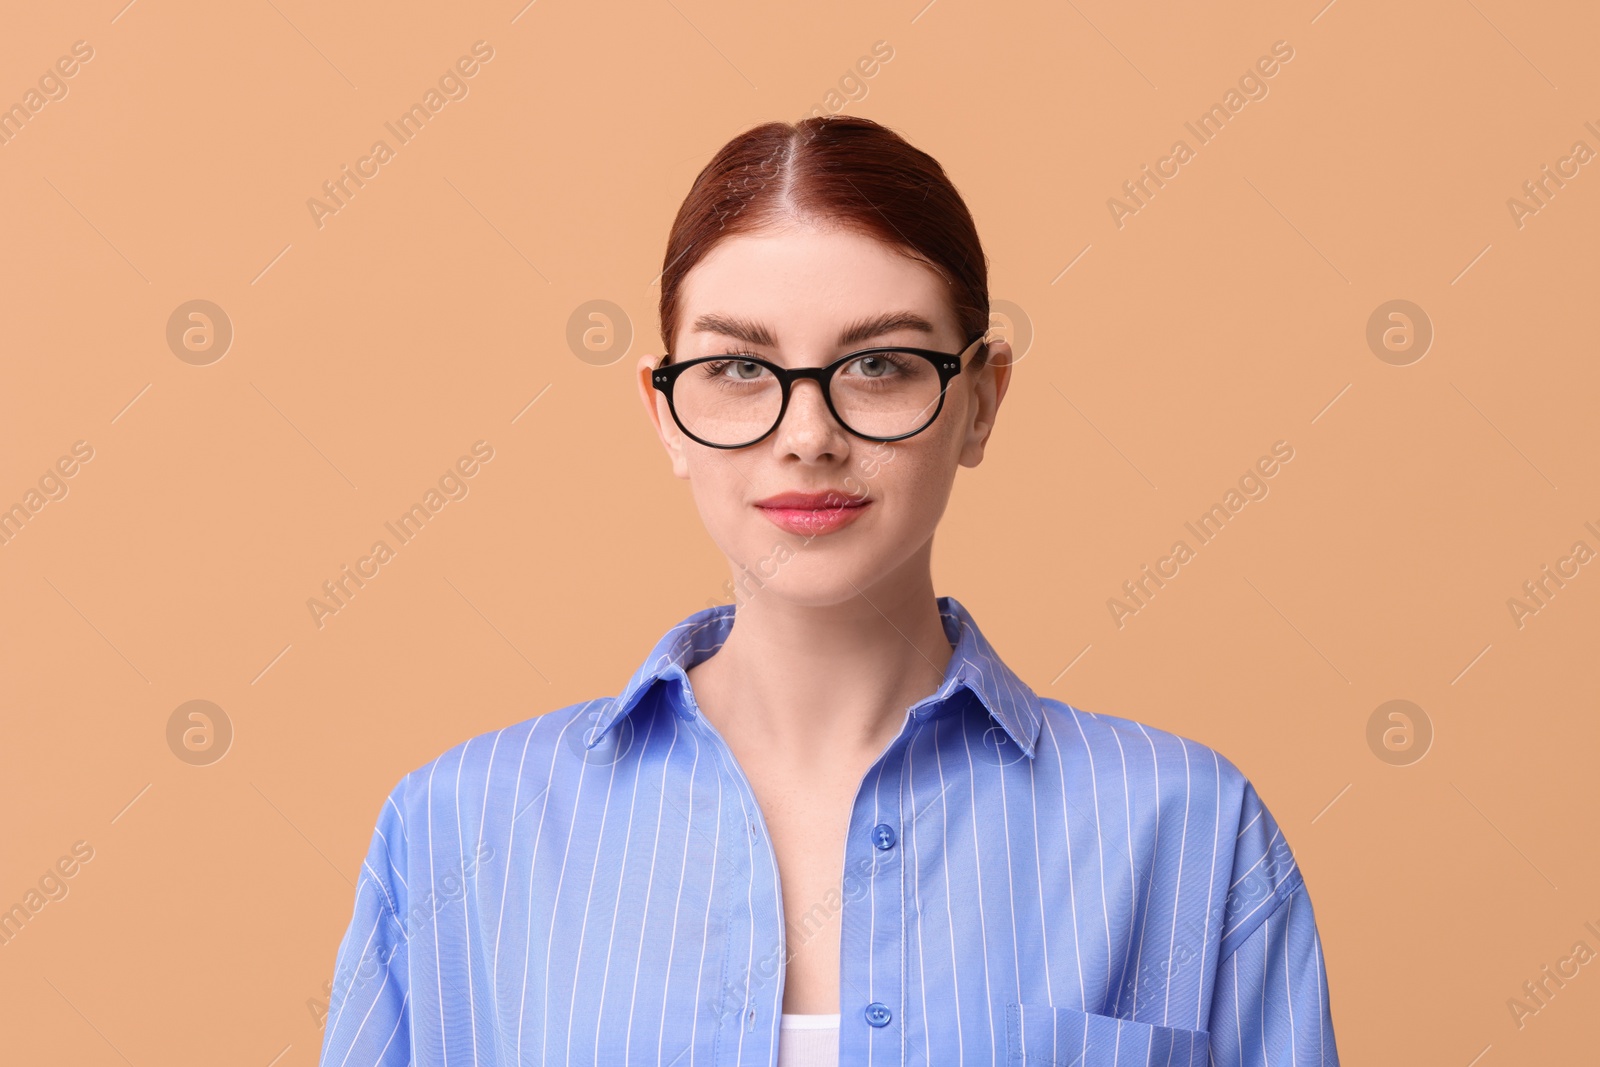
827	823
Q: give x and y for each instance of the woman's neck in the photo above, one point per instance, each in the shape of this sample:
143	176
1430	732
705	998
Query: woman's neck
820	682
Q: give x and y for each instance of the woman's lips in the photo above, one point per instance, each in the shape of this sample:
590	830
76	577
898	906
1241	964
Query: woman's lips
813	521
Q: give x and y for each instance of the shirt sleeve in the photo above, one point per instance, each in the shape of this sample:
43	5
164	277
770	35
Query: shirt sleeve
368	1023
1271	1001
1270	1004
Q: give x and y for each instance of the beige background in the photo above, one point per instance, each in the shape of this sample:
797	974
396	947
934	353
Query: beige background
431	310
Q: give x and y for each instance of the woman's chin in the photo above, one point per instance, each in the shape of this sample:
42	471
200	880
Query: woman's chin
809	583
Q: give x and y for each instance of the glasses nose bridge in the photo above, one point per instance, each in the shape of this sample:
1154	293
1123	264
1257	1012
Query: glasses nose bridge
816	374
795	375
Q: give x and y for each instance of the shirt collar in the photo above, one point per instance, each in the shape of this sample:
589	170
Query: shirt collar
974	665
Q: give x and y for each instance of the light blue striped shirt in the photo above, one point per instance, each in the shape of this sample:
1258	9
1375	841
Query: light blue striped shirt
1024	882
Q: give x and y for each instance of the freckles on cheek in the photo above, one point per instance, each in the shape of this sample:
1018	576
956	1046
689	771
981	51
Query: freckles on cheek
912	480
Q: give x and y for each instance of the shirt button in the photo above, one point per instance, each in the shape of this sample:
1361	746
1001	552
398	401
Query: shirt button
883	835
877	1014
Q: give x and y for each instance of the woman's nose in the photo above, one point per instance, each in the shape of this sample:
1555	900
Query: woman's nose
808	425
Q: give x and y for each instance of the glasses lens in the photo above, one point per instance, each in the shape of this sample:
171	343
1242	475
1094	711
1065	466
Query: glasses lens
886	393
727	401
730	402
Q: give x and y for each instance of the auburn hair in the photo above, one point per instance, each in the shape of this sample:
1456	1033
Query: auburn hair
838	170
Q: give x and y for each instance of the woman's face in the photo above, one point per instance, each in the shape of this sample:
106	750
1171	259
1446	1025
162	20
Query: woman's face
800	297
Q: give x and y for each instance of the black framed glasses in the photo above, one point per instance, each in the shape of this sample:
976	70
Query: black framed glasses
880	394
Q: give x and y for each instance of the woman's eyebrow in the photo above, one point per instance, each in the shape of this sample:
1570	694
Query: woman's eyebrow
867	329
756	333
753	333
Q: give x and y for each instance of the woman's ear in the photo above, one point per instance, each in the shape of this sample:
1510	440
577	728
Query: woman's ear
655	405
991	380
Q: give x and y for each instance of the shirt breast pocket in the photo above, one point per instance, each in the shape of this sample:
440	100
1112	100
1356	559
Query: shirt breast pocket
1043	1035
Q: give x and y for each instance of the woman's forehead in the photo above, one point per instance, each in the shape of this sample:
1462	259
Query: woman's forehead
759	287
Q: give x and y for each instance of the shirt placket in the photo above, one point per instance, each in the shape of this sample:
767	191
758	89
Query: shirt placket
872	1014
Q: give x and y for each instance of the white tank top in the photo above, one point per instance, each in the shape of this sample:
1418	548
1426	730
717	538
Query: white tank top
808	1040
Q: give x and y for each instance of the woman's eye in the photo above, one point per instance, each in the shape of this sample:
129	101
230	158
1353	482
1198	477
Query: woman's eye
880	366
743	370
